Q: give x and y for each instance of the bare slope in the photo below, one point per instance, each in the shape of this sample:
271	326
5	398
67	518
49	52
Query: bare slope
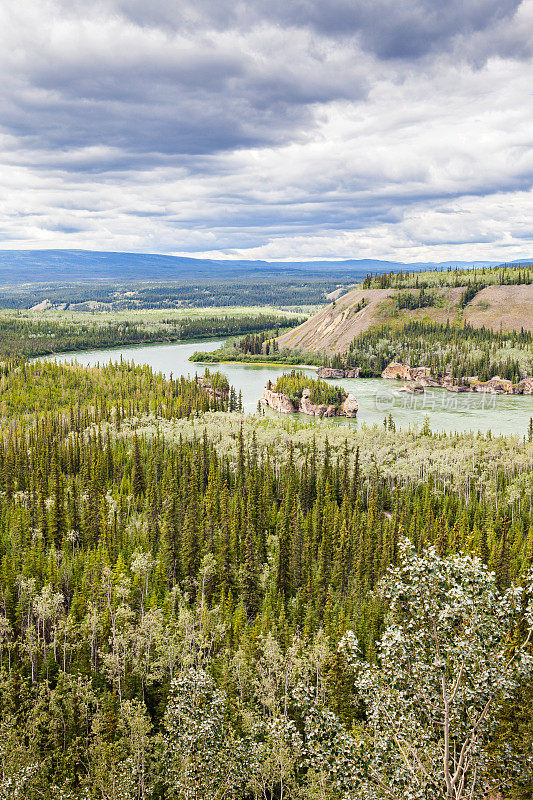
508	307
334	327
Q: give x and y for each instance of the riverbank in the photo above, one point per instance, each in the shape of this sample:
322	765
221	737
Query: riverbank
281	364
122	345
377	398
418	379
413	379
41	333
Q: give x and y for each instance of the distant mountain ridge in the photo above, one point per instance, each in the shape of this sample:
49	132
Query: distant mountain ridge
87	266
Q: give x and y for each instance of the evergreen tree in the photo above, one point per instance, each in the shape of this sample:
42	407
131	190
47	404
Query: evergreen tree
137	480
250	578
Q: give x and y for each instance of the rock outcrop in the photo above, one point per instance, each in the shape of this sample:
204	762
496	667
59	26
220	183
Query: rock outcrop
280	402
423	378
495	385
397	371
213	393
413	388
336	373
349	407
525	386
329	372
314	409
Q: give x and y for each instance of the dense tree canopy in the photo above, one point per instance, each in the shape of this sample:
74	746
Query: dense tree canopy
34	335
175	580
461	351
477	277
294	382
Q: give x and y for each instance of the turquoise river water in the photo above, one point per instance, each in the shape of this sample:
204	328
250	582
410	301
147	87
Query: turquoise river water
502	414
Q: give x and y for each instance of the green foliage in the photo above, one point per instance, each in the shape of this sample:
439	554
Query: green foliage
146	532
462	351
202	757
259	343
182	294
108	394
445	672
470	292
294	382
252	348
478	278
32	335
409	300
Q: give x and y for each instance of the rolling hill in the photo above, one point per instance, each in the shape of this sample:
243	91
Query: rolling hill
335	326
87	266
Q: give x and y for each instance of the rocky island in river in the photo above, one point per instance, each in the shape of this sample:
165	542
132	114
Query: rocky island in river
418	378
294	393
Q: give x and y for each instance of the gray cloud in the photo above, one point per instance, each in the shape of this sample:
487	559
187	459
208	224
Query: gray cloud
391	30
102	78
257	128
408	29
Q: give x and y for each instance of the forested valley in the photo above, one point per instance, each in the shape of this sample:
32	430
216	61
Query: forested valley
30	336
205	294
200	604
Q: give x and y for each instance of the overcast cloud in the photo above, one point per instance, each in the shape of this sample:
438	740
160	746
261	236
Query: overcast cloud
279	129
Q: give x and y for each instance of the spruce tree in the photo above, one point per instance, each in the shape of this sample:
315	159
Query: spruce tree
137	480
250	585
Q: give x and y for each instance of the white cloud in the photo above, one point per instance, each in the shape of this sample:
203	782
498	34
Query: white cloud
271	135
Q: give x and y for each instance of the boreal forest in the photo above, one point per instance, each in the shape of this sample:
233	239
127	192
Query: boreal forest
200	604
266	400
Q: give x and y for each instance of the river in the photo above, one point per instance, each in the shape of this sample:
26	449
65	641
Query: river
447	411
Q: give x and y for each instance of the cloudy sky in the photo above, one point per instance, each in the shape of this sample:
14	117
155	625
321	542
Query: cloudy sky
272	129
